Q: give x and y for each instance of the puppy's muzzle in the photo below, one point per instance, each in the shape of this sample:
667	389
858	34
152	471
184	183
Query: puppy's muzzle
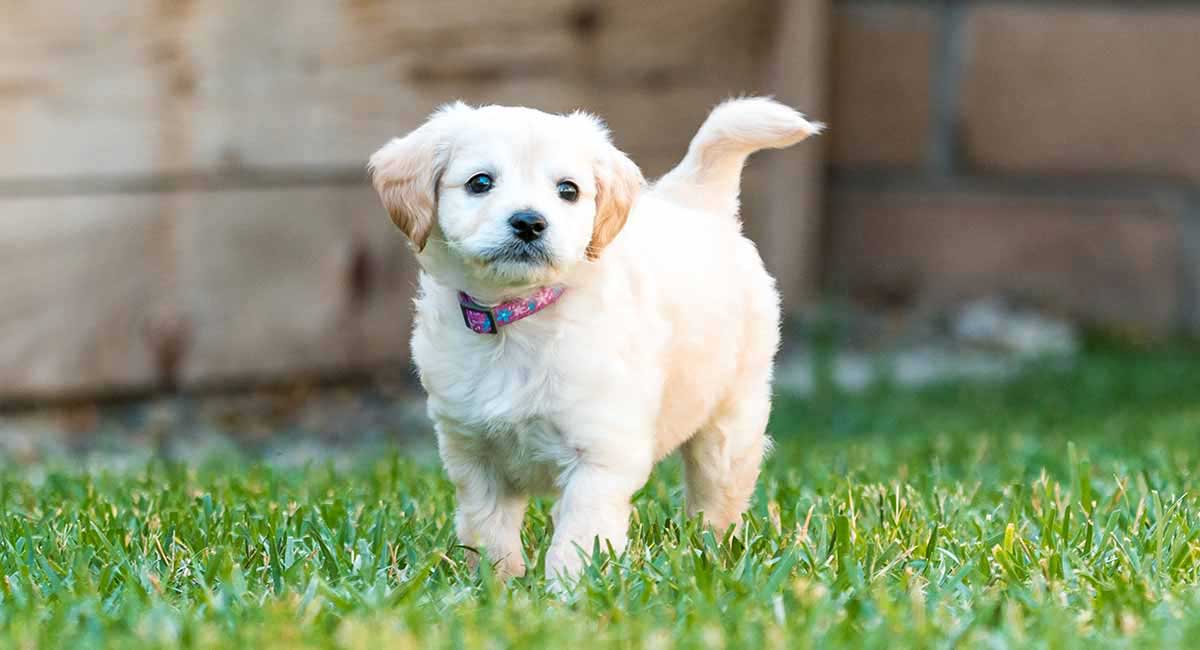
527	225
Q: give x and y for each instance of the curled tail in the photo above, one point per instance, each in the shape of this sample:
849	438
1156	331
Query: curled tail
710	174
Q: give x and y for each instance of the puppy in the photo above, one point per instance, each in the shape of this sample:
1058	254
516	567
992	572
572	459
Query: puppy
575	325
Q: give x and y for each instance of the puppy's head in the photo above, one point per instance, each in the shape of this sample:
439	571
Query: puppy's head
505	197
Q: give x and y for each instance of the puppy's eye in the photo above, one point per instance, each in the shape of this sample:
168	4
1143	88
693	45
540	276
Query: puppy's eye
480	184
568	191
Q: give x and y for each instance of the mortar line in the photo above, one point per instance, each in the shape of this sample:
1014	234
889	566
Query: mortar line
944	144
1034	185
1189	262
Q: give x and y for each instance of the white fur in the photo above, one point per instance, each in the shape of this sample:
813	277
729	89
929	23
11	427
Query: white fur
664	341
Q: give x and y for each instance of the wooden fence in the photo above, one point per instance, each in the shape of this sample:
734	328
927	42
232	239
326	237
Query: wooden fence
182	195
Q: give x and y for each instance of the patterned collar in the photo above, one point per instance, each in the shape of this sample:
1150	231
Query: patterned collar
482	319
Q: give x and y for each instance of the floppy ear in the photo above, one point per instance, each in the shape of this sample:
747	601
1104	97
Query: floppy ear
618	182
406	171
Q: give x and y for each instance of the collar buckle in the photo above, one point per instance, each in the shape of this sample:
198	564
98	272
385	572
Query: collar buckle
479	319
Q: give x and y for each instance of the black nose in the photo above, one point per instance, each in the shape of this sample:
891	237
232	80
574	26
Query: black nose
527	225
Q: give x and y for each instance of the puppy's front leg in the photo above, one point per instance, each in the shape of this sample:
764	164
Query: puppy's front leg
490	511
595	504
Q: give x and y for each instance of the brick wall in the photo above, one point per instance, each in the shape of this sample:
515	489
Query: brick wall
1049	151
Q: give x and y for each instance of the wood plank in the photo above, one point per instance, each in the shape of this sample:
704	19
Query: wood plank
281	281
76	291
127	88
787	222
77	89
123	267
259	282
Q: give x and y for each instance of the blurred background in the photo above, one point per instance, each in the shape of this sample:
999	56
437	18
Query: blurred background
184	208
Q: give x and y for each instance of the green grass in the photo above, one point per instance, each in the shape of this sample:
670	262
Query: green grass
1057	511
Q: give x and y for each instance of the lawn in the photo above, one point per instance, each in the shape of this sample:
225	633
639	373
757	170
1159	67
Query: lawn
1059	510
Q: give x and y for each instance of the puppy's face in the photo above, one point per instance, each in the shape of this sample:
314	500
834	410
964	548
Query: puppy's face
499	197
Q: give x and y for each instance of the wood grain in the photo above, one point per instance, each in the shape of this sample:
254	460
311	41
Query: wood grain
256	283
181	191
124	88
788	224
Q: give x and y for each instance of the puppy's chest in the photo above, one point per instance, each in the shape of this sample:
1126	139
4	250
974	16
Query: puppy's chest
506	401
493	386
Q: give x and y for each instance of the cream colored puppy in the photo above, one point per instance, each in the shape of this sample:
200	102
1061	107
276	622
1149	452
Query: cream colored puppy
574	325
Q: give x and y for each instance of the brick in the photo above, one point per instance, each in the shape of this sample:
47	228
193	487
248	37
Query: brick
1111	262
883	62
1084	89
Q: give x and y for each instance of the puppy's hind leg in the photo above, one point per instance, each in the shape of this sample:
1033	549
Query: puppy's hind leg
721	462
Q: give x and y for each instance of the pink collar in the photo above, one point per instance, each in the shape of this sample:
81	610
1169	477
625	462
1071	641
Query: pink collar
482	319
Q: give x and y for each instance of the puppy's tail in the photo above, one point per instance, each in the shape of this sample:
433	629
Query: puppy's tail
710	174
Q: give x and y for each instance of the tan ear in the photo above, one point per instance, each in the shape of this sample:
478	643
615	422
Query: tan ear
618	182
406	171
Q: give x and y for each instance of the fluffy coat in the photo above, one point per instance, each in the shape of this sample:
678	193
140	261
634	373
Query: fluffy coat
664	338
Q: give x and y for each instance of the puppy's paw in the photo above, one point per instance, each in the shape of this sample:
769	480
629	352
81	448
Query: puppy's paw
559	588
471	558
563	565
510	566
562	586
